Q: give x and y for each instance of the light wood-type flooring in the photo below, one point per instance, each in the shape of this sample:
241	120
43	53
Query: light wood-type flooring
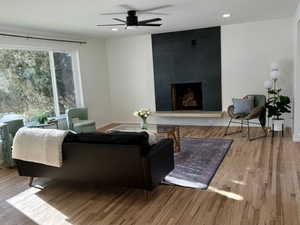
258	183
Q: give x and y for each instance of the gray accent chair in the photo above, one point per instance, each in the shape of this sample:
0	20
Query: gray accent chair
258	112
77	119
8	131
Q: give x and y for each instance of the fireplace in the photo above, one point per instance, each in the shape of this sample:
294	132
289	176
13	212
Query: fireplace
187	96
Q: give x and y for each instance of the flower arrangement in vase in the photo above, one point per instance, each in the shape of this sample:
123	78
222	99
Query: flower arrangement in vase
143	114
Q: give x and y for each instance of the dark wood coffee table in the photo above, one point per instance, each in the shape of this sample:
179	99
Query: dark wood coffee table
167	131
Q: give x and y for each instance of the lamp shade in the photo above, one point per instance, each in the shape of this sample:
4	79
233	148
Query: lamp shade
274	66
268	84
275	74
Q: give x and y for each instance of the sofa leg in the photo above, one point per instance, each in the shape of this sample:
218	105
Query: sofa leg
30	181
147	195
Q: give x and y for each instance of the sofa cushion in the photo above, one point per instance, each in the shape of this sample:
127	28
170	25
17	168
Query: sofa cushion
121	138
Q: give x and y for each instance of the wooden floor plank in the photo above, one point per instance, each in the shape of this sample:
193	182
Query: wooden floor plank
258	183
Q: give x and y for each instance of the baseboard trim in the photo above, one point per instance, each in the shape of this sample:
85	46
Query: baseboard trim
296	137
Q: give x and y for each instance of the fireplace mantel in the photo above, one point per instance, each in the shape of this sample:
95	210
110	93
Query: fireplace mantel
189	114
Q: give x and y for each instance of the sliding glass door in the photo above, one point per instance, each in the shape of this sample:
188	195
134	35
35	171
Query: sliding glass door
33	82
63	81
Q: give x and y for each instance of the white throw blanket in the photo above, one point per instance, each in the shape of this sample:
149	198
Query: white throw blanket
153	138
39	145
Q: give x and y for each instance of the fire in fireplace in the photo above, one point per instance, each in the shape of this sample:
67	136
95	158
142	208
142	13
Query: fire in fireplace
187	96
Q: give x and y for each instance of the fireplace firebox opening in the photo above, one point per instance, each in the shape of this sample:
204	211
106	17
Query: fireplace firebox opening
187	96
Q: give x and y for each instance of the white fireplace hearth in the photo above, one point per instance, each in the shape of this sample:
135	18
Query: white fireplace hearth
189	114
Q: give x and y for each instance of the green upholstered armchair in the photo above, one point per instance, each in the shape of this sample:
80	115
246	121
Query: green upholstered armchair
77	119
8	131
258	112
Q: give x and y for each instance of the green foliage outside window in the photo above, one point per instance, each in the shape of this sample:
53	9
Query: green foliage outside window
26	83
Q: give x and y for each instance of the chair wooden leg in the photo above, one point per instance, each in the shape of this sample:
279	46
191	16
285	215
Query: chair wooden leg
30	181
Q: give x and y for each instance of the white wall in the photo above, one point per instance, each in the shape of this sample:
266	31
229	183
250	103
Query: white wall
247	51
94	74
93	69
131	76
296	27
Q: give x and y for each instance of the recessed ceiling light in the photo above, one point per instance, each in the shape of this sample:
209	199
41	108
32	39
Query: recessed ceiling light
226	15
114	29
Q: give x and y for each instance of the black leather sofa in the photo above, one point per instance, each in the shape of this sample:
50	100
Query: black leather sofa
123	159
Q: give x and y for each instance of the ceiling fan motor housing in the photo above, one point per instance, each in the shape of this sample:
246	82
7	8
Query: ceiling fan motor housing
132	19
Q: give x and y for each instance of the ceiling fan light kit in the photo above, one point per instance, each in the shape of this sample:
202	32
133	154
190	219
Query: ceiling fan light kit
131	27
132	21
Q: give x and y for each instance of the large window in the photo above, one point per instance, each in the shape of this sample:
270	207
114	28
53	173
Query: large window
33	82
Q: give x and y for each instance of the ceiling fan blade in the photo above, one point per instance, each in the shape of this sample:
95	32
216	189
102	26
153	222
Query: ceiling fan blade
149	21
128	7
154	8
110	25
117	19
152	13
113	13
150	24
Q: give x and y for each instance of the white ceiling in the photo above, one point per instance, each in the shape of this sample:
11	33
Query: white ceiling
79	17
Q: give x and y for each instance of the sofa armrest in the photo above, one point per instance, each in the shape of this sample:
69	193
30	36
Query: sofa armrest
160	161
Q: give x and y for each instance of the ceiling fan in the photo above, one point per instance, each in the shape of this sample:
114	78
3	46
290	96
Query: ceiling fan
132	18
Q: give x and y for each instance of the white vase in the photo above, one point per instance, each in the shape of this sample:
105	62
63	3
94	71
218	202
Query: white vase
278	124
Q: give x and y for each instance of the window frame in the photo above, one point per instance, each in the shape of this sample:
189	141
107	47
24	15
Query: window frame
75	68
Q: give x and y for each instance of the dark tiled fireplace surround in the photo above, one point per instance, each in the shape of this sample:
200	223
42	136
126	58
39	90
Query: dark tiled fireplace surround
187	70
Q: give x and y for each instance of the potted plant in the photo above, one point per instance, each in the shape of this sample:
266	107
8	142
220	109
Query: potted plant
42	118
277	105
143	114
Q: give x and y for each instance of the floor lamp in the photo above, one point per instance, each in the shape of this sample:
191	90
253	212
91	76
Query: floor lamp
269	84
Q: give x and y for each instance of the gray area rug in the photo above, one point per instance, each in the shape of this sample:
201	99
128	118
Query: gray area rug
198	161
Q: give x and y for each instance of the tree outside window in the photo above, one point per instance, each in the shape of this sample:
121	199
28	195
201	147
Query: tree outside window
26	82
